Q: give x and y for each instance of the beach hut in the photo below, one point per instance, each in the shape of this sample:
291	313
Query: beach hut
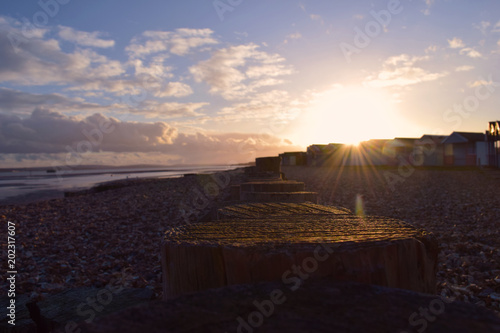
372	152
466	149
294	158
429	150
399	148
331	154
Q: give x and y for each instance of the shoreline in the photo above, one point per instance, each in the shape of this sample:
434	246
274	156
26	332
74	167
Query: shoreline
88	239
49	194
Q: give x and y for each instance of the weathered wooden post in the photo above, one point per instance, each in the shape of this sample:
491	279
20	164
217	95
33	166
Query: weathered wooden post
372	250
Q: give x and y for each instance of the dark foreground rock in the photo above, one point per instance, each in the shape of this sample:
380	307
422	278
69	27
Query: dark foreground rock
23	321
316	306
65	310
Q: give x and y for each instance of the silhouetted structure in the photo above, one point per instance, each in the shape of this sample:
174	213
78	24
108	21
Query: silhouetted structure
294	158
493	137
429	150
399	149
320	155
466	149
456	149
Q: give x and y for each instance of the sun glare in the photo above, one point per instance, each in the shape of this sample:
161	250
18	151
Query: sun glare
349	115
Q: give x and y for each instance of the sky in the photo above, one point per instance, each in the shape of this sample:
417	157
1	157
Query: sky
220	82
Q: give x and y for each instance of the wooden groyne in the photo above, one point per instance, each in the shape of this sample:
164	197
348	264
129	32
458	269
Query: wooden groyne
371	250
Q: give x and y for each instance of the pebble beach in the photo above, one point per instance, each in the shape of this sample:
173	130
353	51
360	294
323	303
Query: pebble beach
461	208
112	237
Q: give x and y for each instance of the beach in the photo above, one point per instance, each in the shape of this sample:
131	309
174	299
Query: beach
112	236
460	206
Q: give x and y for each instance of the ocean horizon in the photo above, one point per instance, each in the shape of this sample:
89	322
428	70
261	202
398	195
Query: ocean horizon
53	182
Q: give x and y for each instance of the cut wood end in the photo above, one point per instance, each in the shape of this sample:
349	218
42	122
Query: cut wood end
296	231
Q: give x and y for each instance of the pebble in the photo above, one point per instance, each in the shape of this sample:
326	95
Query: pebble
461	208
111	237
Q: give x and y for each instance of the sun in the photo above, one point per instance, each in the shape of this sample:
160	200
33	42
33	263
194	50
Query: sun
349	115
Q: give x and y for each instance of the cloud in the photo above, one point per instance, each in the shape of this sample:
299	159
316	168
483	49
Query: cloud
41	62
483	26
18	102
482	82
431	49
296	35
52	132
236	71
84	38
73	140
155	109
496	27
464	68
470	52
455	43
273	106
179	42
400	71
175	89
429	4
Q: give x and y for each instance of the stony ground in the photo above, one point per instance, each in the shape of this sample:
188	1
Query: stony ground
461	207
111	237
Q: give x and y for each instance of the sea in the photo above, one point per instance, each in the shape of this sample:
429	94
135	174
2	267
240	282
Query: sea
30	184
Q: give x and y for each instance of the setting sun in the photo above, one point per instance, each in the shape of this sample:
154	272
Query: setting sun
349	115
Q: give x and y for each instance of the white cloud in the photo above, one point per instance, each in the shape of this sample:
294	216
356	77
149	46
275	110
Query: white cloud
41	61
84	38
431	49
496	27
293	36
236	71
482	82
155	109
400	71
464	68
470	52
155	68
455	43
273	105
429	4
175	89
316	17
483	26
179	42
